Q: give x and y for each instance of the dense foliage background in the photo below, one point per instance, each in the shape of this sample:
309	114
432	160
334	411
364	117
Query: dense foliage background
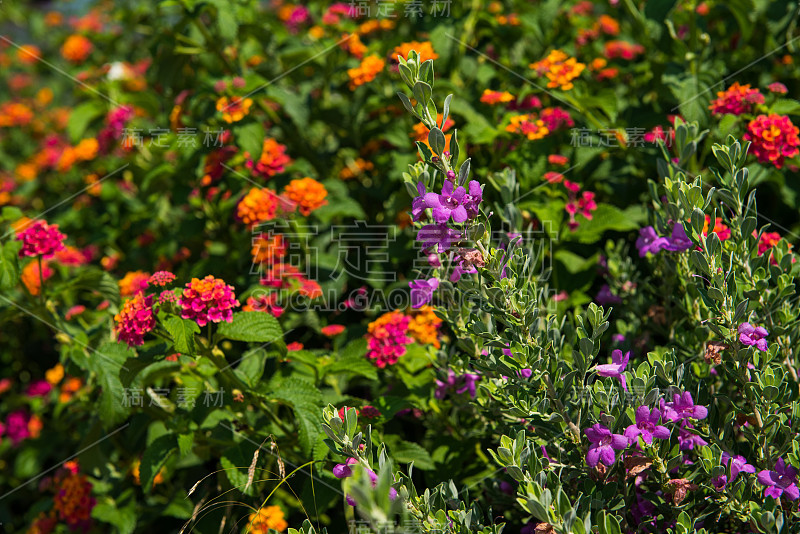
212	212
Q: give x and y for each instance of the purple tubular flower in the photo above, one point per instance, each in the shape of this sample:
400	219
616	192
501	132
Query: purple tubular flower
649	241
343	470
780	481
422	291
679	241
473	199
753	335
738	465
439	235
470	381
604	443
616	368
449	204
689	440
684	407
418	205
442	387
606	297
647	426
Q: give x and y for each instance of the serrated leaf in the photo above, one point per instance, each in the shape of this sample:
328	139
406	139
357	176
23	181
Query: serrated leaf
358	365
185	443
182	332
106	362
154	458
256	327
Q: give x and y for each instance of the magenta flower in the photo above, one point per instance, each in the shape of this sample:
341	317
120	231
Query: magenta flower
40	239
782	480
738	464
647	426
343	470
422	291
40	388
439	235
418	205
650	241
473	199
684	407
603	445
689	440
616	368
753	335
679	241
467	382
449	204
17	426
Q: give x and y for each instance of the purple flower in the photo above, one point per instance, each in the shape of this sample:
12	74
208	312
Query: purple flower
689	440
472	200
649	241
737	464
783	480
343	470
604	443
679	241
753	335
422	291
373	478
418	205
683	407
449	204
616	368
605	296
442	387
647	426
470	381
524	373
439	235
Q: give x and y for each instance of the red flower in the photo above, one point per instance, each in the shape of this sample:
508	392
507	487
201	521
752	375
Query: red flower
774	138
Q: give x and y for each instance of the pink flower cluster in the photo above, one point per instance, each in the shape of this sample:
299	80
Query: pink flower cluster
387	339
583	204
135	319
735	100
41	239
556	118
115	125
161	278
774	138
209	299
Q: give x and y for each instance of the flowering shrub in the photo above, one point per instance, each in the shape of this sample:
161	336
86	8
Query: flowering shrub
560	299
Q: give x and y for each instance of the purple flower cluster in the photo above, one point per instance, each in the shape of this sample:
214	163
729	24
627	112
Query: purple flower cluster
647	425
650	241
456	204
753	335
461	384
344	471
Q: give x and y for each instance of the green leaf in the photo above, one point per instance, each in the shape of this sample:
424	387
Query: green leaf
358	365
120	512
154	458
106	363
80	117
182	332
258	327
407	452
251	368
185	443
9	264
785	106
606	217
306	401
251	138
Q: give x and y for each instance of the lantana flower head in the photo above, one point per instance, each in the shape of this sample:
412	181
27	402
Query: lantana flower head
235	109
307	193
367	71
259	205
209	299
135	319
735	100
161	278
40	239
387	338
133	282
423	326
273	159
267	519
774	138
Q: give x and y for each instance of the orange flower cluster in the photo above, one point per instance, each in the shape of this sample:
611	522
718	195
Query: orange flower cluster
133	282
720	228
370	67
86	150
73	501
273	159
560	69
307	193
424	49
30	276
259	205
28	54
353	45
736	99
604	24
420	132
496	97
622	49
529	126
375	25
424	326
357	168
265	519
234	110
15	114
76	48
268	248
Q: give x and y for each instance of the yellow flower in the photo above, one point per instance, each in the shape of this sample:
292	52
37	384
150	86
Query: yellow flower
234	110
